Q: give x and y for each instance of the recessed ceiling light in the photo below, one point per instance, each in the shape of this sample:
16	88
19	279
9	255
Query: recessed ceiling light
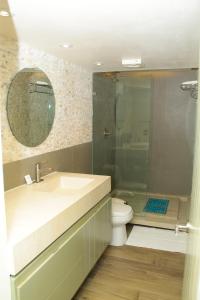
4	13
67	46
98	63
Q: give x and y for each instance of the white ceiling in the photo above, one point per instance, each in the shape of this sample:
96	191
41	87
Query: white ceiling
165	33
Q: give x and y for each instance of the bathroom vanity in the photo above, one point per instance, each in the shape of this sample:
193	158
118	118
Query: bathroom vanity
57	231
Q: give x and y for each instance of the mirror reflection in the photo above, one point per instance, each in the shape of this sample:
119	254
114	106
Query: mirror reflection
30	106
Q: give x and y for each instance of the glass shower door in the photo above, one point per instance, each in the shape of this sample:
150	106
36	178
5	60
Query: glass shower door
133	114
104	125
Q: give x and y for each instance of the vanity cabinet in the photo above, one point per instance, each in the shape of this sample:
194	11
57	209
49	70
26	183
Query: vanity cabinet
58	272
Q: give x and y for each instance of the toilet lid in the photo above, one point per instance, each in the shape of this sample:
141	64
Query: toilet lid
120	209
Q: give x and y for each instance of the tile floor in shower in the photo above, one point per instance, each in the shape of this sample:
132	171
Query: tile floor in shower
177	212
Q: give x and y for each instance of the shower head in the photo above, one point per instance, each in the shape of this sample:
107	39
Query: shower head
191	86
188	85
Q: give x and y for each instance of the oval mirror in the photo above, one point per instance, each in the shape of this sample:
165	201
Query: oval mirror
30	106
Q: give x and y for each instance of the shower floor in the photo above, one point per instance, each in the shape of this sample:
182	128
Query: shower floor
177	212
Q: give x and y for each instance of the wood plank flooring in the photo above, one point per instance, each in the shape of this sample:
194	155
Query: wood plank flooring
132	273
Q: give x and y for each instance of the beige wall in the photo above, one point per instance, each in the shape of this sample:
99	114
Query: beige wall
73	91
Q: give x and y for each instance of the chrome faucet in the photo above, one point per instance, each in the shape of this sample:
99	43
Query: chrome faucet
38	172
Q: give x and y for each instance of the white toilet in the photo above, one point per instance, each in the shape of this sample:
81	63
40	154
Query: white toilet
121	215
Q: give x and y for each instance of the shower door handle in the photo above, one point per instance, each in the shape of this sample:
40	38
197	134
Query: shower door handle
107	132
183	228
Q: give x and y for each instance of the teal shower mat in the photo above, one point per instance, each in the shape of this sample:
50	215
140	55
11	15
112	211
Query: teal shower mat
156	206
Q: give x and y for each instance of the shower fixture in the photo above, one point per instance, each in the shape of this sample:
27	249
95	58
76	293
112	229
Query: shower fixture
191	86
41	87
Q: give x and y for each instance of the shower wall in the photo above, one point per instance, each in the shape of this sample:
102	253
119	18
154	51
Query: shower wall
172	134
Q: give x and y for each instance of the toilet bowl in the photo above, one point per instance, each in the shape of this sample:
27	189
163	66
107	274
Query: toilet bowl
121	215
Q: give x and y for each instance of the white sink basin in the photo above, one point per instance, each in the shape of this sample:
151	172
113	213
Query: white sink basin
64	183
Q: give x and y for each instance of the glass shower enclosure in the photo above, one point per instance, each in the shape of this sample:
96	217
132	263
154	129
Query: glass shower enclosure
121	127
133	98
143	134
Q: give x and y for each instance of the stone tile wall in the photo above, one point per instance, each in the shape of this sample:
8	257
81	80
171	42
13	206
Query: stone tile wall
73	92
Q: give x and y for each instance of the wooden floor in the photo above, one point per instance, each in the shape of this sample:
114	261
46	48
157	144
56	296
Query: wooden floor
134	273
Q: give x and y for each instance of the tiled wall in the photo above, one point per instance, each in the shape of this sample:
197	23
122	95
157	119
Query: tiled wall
73	92
73	117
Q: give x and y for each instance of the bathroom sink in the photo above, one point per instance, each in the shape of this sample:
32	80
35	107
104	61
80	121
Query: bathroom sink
64	183
41	212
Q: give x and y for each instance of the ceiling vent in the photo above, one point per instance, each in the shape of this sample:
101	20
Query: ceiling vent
132	62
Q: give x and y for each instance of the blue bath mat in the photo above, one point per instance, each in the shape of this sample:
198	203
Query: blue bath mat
156	206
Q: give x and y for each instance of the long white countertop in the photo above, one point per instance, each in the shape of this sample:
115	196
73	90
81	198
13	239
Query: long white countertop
37	215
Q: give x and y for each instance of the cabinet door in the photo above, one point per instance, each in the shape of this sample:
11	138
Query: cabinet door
60	270
108	223
59	276
101	229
